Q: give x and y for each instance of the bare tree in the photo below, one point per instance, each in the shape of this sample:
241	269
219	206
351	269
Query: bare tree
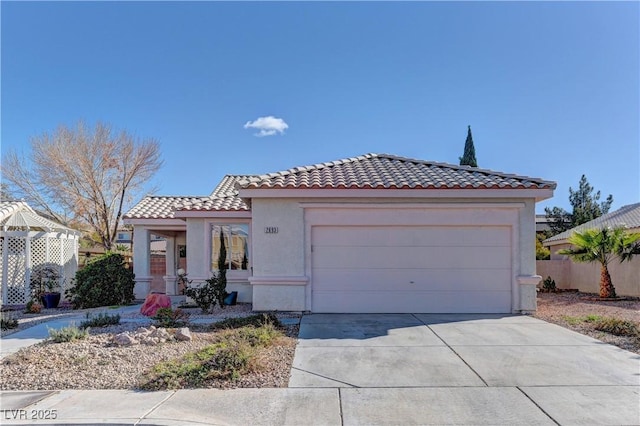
82	174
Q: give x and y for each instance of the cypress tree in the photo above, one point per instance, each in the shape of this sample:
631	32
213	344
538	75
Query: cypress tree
469	157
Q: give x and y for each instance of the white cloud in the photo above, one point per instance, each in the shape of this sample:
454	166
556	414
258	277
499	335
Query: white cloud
268	126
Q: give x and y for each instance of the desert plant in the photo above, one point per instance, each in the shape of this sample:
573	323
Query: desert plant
549	284
169	318
100	320
256	320
104	281
68	334
234	353
8	323
204	295
618	327
603	245
33	307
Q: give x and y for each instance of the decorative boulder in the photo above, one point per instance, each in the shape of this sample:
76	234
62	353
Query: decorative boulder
153	302
124	339
183	334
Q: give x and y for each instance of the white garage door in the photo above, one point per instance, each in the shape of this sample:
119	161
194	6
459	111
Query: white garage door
439	269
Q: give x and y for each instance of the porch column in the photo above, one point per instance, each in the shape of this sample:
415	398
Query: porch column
197	251
170	266
141	262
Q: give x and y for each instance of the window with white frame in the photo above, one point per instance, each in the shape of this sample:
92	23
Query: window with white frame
235	237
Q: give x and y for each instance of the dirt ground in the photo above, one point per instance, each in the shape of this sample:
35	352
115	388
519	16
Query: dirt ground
569	310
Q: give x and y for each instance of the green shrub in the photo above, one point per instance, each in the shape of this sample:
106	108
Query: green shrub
256	320
549	285
258	336
68	334
207	294
169	318
103	282
7	323
100	320
231	359
618	327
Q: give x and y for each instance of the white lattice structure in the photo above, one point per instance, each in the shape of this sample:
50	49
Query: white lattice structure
28	240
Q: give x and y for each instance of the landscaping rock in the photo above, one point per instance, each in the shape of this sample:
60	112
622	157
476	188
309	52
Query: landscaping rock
183	334
153	302
147	336
124	339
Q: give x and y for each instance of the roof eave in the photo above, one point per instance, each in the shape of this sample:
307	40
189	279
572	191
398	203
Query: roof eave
141	221
213	214
538	194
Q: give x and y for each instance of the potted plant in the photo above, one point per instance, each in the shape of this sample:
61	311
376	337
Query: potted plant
45	285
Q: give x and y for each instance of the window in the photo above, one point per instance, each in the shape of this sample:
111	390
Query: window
235	238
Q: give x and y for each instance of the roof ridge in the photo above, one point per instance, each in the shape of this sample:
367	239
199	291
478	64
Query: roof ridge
459	167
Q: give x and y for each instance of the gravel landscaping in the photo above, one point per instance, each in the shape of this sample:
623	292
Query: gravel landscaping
573	310
97	363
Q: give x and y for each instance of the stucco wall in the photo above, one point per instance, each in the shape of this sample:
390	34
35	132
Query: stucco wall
281	255
586	276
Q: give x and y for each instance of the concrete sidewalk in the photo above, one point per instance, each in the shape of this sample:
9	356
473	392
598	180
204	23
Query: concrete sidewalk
13	342
593	405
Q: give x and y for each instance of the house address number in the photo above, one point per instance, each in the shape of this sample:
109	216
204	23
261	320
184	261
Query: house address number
271	230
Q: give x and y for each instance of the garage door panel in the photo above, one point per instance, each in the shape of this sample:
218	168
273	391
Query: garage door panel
412	257
349	279
415	302
411	269
410	236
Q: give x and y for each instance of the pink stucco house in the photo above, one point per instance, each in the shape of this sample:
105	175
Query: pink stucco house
374	233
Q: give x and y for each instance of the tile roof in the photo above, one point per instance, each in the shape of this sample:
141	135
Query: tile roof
369	171
627	217
383	171
224	197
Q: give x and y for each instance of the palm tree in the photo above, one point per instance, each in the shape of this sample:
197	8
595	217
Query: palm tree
603	245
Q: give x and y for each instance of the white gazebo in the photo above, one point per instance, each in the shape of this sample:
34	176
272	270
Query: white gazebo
28	240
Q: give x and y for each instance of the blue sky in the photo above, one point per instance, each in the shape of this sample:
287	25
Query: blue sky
550	90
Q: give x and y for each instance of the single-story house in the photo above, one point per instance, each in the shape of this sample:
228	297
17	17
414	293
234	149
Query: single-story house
586	277
374	233
627	217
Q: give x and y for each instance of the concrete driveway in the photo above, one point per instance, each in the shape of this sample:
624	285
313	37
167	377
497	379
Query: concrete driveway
469	369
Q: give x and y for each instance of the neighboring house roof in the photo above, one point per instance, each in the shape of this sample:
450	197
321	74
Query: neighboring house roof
224	197
384	171
627	217
17	215
369	171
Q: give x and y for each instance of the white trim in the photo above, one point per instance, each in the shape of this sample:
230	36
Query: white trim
282	280
529	279
429	205
538	194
